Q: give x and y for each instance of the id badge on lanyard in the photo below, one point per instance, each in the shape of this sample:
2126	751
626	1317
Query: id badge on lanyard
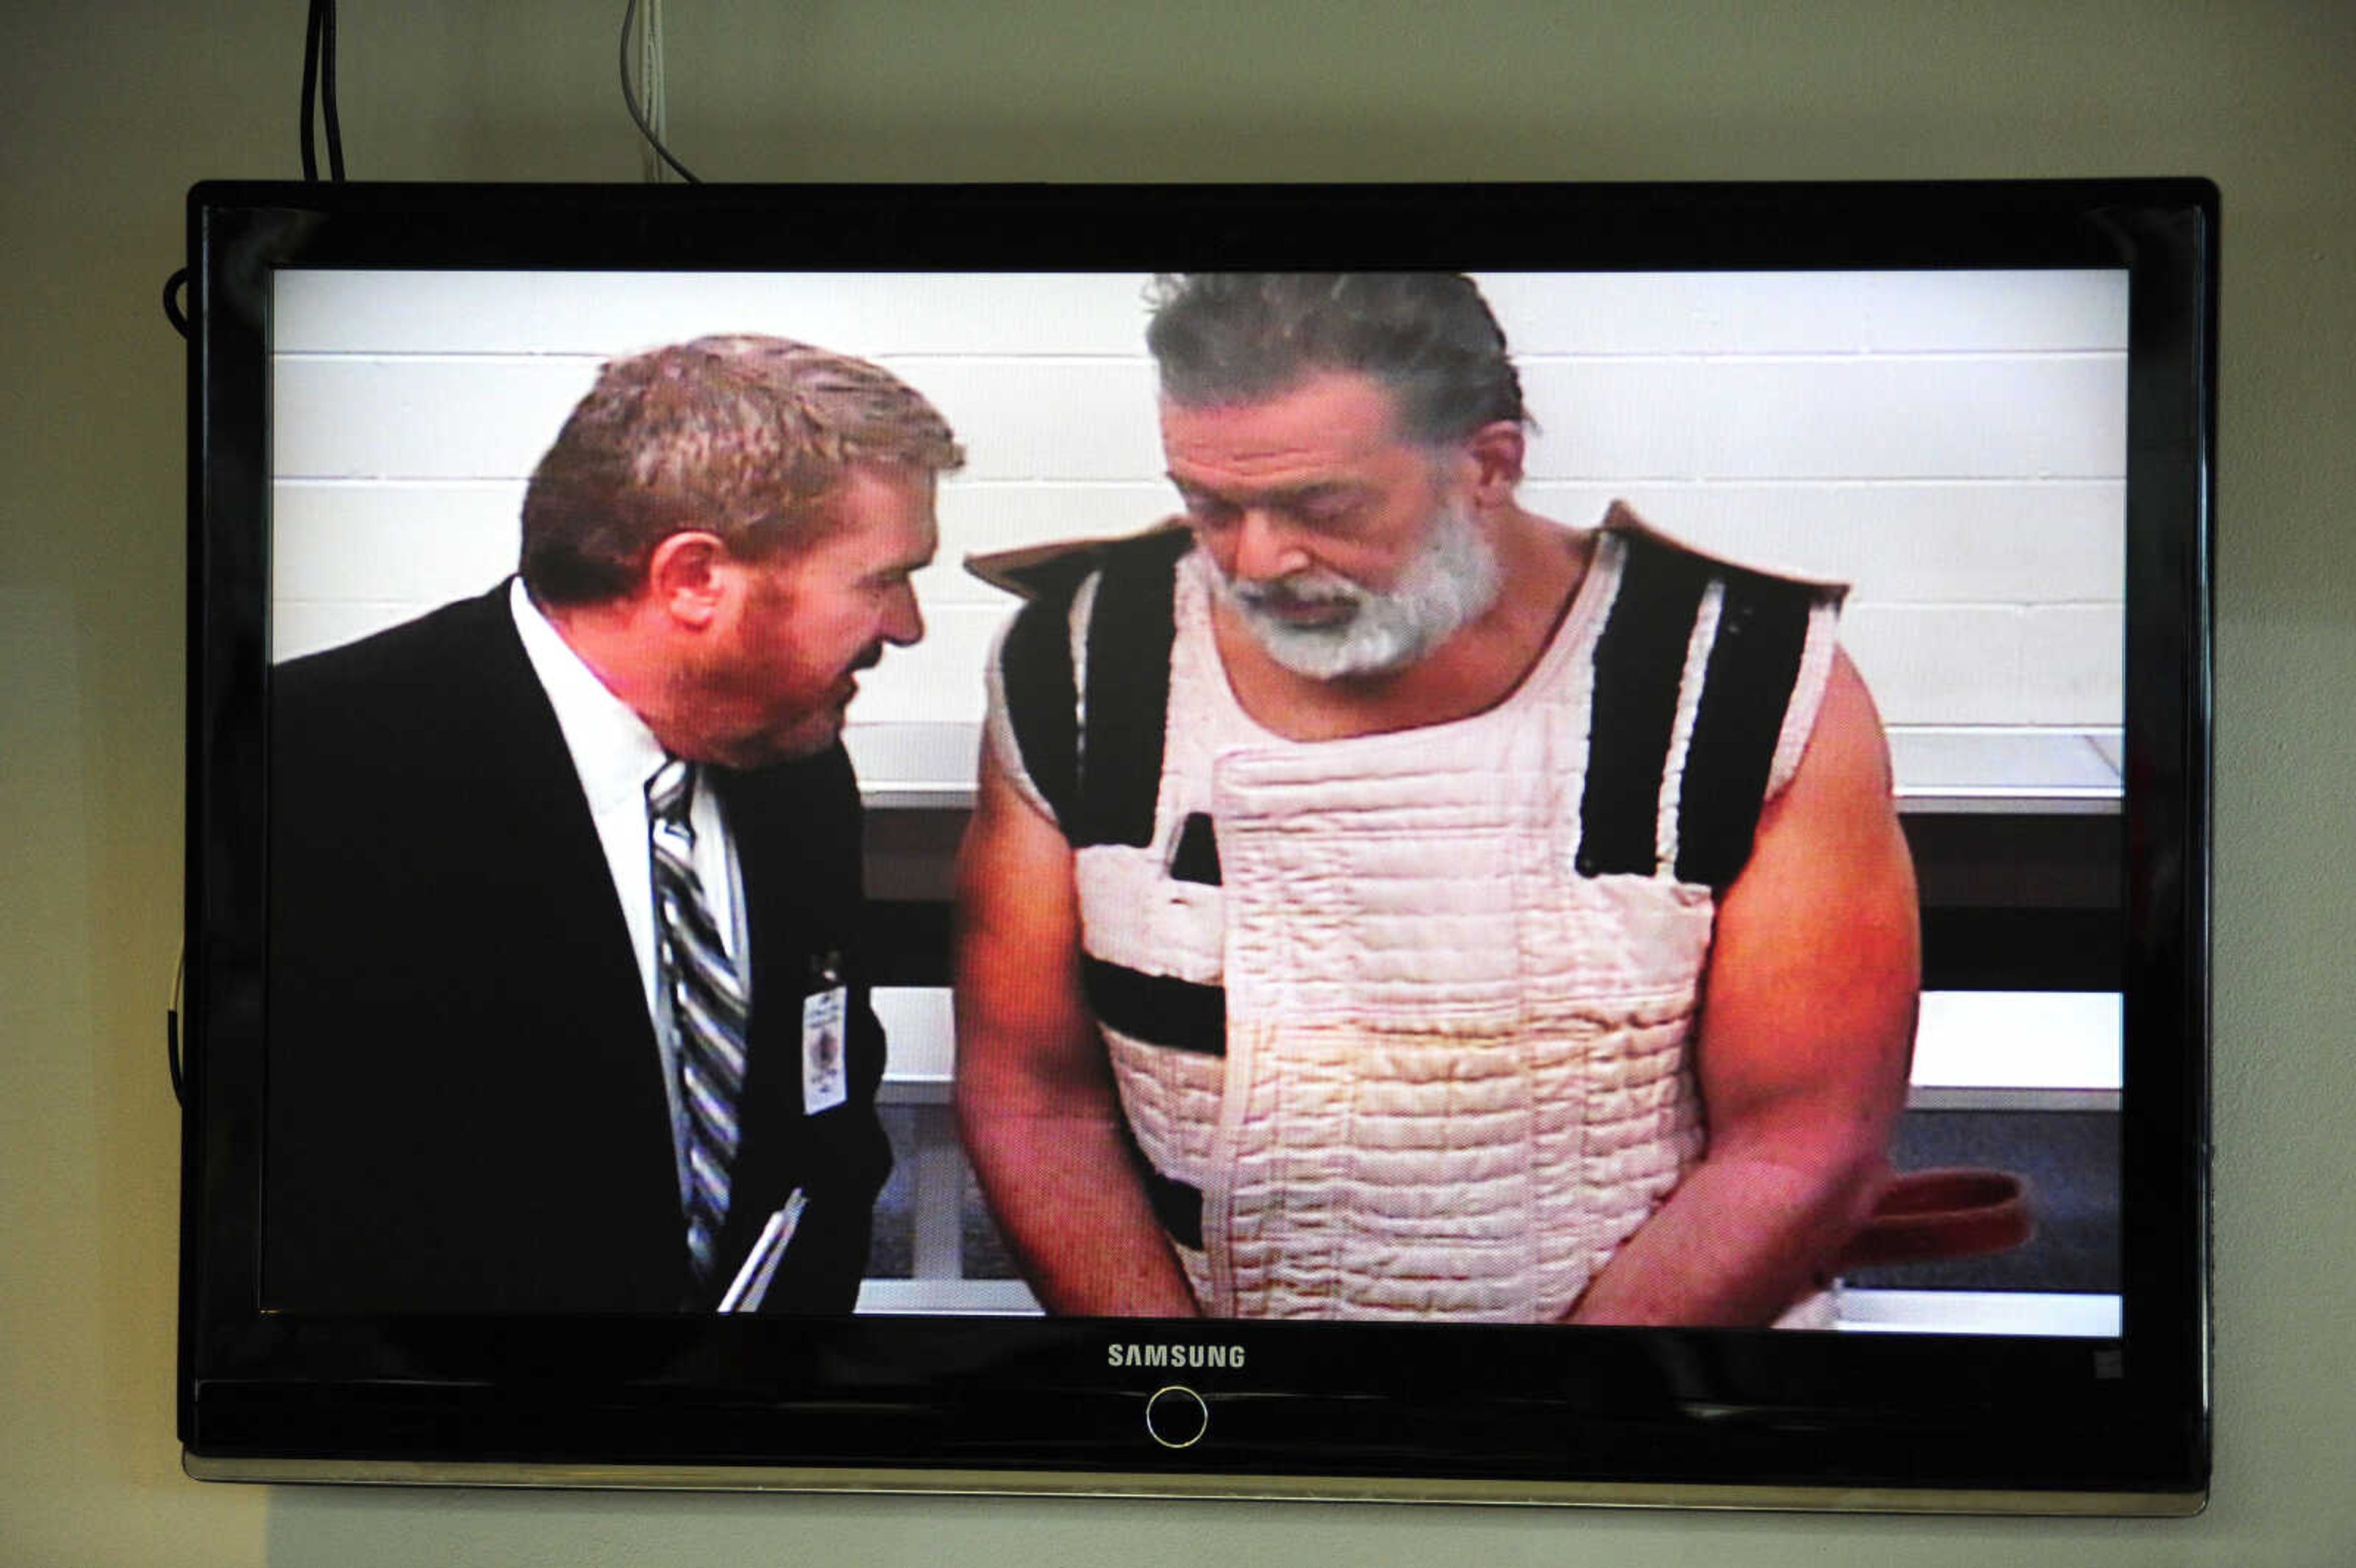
826	1077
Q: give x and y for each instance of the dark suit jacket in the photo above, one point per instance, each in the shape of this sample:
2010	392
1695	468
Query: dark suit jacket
466	1103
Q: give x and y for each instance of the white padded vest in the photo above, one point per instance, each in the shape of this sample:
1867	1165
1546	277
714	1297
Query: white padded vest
1454	1073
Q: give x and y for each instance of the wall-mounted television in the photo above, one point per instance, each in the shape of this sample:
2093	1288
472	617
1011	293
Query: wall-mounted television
1713	1012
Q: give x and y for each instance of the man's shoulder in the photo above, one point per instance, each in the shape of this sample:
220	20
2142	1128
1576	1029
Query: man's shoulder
1112	597
1089	648
1047	573
414	698
1639	539
448	645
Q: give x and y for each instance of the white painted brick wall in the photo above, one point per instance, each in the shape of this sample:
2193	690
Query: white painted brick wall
1953	444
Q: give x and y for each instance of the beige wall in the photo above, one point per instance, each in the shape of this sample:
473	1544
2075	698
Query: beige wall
111	110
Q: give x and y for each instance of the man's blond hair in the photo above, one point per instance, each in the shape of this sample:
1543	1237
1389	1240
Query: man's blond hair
737	435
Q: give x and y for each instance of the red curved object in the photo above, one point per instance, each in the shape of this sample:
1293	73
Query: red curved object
1925	1216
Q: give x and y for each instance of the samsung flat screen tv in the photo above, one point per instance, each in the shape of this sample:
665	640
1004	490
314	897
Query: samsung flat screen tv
1164	1064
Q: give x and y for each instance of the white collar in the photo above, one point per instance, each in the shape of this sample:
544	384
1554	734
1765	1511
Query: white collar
612	750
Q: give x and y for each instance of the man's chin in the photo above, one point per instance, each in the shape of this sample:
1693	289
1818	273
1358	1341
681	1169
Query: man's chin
807	737
1344	652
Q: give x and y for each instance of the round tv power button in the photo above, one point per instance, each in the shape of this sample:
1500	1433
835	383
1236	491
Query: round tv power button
1176	1416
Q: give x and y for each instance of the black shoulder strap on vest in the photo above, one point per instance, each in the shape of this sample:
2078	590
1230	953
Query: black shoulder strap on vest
1041	703
1127	700
1754	666
1098	761
1747	687
1640	659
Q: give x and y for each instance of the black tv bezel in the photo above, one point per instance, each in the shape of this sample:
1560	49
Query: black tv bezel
1422	1411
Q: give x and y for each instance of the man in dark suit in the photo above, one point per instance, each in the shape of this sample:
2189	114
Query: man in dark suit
566	1010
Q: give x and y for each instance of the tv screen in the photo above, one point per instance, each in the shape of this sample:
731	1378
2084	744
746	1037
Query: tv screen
1537	843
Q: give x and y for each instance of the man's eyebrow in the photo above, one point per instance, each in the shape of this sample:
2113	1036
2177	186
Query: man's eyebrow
1281	494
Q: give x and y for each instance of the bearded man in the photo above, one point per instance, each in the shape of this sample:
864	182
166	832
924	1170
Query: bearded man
1383	901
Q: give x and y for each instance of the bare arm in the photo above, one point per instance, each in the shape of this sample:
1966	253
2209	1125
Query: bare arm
1034	1094
1806	1036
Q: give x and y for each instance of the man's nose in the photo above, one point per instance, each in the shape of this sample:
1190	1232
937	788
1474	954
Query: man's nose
1266	549
904	621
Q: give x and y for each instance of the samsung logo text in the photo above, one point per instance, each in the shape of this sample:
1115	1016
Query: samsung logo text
1191	1358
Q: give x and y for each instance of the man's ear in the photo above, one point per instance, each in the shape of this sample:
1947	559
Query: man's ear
686	578
1495	452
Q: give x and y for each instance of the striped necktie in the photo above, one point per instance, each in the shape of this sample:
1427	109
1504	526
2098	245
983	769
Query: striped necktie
710	1008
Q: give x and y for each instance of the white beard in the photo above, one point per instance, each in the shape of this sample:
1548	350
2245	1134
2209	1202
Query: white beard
1450	581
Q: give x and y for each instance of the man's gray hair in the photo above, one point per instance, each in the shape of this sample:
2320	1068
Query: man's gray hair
1429	338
